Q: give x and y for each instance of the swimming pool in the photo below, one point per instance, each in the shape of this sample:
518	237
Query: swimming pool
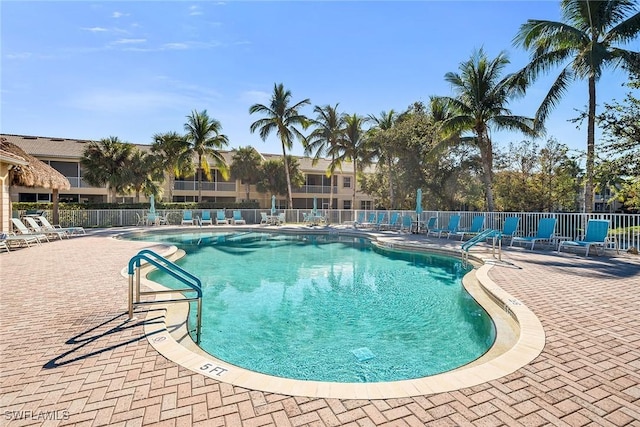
331	308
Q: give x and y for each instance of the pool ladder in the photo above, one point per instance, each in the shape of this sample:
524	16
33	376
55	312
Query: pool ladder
175	271
495	235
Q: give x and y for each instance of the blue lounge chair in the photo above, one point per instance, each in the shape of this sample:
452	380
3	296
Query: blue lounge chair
394	222
597	236
452	227
508	231
221	217
237	218
546	228
206	218
370	222
407	223
476	227
187	218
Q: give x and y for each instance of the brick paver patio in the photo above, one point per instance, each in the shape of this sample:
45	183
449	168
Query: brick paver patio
68	356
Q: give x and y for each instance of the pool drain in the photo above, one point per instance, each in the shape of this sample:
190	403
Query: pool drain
363	354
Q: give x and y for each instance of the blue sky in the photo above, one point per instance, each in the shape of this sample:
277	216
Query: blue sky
94	69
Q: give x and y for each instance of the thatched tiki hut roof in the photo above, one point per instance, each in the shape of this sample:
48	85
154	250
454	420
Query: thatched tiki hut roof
35	174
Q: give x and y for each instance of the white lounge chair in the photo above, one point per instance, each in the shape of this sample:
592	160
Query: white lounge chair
70	230
37	228
24	231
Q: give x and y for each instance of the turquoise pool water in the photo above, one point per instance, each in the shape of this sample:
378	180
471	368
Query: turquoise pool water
331	308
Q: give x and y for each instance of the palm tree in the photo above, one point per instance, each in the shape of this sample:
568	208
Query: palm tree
586	43
145	173
329	125
245	162
352	146
384	146
482	95
205	139
283	119
105	163
174	155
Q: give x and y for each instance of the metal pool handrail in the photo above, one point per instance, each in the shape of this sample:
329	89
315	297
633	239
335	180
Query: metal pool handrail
174	270
480	237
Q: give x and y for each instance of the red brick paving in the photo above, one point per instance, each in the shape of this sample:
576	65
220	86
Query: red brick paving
67	352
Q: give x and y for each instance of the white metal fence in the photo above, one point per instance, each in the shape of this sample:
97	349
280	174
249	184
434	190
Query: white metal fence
625	227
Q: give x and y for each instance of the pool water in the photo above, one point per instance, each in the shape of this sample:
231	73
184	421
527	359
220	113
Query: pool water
331	308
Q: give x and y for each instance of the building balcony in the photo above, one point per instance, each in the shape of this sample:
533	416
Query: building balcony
315	189
206	186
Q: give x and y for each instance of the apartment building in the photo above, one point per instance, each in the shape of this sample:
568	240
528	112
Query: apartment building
64	155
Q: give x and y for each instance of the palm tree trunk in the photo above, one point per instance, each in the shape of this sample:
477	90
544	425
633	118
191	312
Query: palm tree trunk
486	155
172	182
199	179
331	192
353	198
591	125
391	193
247	189
286	171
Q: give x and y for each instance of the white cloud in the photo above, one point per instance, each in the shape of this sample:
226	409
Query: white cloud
21	55
118	101
195	10
117	15
95	29
130	41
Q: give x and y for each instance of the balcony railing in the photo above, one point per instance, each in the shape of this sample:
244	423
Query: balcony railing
77	182
206	186
317	189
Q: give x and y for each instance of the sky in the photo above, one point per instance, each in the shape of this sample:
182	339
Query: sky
95	69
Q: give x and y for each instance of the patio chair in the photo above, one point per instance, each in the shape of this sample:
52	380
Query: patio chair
376	221
452	227
24	231
7	240
509	229
476	227
546	227
70	230
206	218
407	223
281	219
393	224
60	234
597	236
264	218
187	218
237	218
221	217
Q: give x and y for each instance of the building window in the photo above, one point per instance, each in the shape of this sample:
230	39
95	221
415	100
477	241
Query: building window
366	205
346	182
346	204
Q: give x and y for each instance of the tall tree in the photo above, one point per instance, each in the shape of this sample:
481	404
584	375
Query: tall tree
105	163
385	147
353	147
205	140
174	155
272	177
482	94
245	163
283	118
146	173
583	46
323	140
